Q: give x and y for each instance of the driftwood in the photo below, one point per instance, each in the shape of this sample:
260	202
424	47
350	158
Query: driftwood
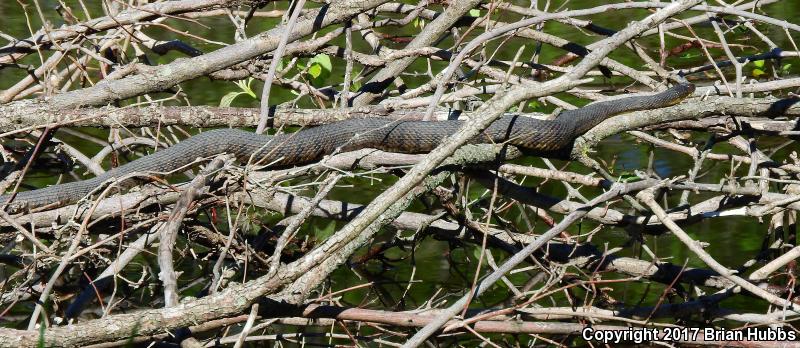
230	253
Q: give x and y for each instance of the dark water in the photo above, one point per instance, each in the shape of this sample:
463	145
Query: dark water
439	265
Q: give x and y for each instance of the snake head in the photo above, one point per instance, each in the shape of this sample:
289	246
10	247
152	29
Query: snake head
681	90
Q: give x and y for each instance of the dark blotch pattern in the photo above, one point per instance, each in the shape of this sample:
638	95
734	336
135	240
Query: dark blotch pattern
543	138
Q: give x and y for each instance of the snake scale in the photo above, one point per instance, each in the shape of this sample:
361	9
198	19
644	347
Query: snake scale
541	137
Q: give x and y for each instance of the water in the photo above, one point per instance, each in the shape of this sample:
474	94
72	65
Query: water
441	268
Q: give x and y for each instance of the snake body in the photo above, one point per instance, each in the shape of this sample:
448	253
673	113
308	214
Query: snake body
541	137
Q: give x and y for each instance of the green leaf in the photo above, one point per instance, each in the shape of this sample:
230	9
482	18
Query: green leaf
475	12
758	72
325	232
534	104
280	65
689	56
228	98
759	63
627	176
476	252
355	86
324	60
315	70
41	344
786	67
245	87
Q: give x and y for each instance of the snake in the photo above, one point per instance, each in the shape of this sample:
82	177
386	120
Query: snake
545	138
